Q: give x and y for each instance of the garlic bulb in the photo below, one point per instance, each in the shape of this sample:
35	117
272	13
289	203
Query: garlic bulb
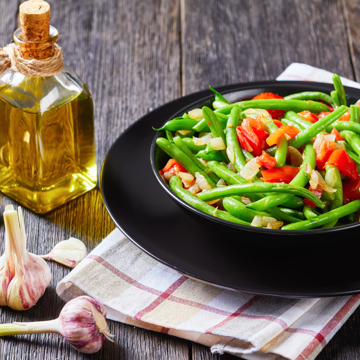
23	276
82	322
67	252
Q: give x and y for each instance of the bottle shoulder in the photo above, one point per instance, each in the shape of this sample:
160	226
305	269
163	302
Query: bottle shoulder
41	94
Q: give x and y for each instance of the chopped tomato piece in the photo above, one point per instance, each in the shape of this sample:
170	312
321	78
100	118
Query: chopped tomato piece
242	140
278	123
276	136
345	117
173	167
275	114
337	134
284	174
308	116
252	135
323	114
341	159
323	153
318	191
351	190
266	160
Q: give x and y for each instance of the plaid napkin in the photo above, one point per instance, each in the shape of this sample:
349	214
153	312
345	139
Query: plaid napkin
139	291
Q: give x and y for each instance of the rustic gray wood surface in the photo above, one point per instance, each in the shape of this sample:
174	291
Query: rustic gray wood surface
137	55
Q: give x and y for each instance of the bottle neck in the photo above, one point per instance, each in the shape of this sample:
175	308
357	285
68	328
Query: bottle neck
36	49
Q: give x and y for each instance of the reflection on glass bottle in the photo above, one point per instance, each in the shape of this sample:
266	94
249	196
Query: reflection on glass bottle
47	149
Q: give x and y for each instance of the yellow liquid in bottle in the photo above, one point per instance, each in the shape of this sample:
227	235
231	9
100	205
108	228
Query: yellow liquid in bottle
47	152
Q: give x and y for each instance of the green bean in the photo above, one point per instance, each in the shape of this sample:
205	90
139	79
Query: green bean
307	134
210	155
174	125
292	202
327	196
281	153
344	125
325	218
247	155
218	96
292	123
353	139
182	146
311	95
272	150
354	114
339	88
277	213
194	148
336	100
238	209
277	104
331	172
299	180
201	125
281	150
215	127
309	212
189	134
292	116
259	187
218	104
174	152
169	136
292	212
175	184
232	140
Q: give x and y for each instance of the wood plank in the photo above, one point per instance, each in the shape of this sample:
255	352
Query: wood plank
128	53
352	13
242	40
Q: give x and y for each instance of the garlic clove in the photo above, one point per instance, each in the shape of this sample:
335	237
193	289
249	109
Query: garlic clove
67	252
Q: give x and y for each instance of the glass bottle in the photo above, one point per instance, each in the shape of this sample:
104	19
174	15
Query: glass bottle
47	148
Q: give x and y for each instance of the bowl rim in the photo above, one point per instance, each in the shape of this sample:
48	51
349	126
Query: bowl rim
228	89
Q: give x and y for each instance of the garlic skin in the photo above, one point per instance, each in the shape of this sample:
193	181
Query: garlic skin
23	276
67	252
83	324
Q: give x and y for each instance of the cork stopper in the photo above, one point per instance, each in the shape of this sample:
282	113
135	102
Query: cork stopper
35	28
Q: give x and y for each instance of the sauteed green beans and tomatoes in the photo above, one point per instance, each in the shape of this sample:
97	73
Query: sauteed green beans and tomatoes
289	163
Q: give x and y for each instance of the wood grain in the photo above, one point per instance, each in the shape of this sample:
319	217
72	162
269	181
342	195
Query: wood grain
128	53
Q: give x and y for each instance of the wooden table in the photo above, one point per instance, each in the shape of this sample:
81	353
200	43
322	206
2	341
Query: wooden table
137	55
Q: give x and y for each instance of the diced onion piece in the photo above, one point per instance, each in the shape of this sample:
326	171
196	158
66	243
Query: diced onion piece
202	134
186	176
267	220
340	145
203	161
317	142
212	201
231	167
195	114
215	211
287	137
262	112
203	140
221	183
194	189
217	143
183	132
314	179
257	221
202	182
250	169
230	153
324	185
245	200
188	184
168	175
295	156
275	225
309	169
331	177
329	137
265	119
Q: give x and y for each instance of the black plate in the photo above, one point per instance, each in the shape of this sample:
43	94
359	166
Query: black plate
209	251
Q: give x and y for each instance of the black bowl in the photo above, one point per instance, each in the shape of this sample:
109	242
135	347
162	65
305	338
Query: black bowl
264	237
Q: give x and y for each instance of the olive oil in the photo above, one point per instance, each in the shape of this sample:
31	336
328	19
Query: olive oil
46	157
